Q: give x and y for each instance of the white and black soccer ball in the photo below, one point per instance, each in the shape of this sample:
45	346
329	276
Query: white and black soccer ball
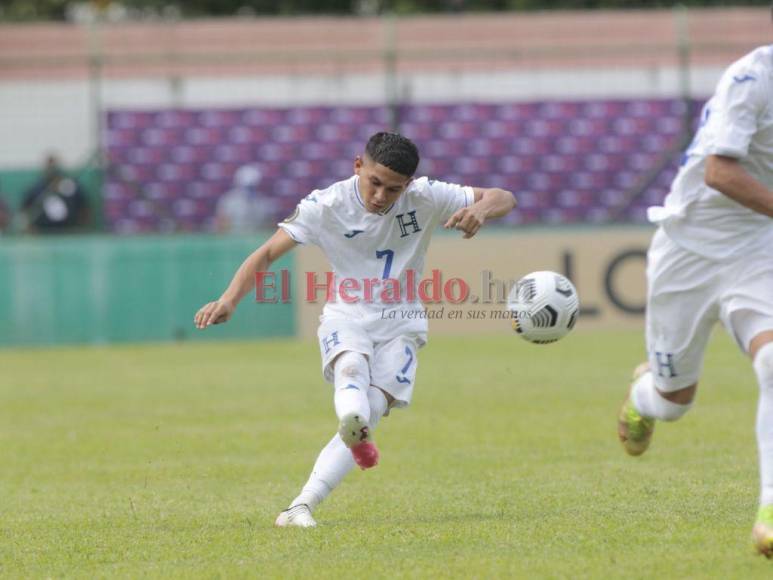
543	307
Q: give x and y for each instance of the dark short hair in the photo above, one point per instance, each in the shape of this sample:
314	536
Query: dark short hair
393	150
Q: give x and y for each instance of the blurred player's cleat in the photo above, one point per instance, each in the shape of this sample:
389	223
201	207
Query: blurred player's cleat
634	431
355	433
298	516
762	532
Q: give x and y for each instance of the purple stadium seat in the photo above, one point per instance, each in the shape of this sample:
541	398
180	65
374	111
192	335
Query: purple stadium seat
568	161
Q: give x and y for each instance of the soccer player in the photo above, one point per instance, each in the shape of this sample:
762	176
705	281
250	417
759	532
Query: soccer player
373	227
711	260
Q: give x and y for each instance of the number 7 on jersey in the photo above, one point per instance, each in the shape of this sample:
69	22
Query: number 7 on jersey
389	255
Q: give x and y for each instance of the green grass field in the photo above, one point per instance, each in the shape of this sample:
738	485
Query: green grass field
172	461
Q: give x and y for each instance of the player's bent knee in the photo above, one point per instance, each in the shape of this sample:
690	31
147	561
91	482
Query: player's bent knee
763	365
350	371
351	365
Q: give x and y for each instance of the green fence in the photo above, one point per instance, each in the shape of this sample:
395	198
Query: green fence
98	289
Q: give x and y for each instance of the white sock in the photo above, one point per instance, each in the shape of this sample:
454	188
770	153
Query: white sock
332	465
352	379
650	403
335	460
763	367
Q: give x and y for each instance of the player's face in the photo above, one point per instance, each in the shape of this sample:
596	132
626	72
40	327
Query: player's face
379	186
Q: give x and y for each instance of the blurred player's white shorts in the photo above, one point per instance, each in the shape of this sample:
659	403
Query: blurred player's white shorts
687	294
393	357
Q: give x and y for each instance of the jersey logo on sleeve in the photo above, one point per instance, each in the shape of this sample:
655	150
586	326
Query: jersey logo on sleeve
353	233
744	78
410	222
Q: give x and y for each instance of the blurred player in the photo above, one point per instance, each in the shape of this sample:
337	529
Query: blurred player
712	260
372	227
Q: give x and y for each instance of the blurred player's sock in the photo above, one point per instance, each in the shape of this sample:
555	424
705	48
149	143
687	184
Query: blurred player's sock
649	402
762	532
351	382
634	430
297	516
763	368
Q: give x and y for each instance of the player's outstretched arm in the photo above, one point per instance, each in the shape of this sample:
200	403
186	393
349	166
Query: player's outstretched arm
489	203
243	281
727	175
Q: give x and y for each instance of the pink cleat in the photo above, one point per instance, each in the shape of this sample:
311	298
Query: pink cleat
355	433
365	454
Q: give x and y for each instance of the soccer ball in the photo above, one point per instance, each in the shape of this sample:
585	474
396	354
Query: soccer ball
543	307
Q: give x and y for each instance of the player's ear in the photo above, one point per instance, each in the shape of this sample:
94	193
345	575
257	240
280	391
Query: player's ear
357	165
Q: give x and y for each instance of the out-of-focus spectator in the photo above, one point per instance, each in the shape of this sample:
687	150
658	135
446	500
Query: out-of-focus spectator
56	203
242	209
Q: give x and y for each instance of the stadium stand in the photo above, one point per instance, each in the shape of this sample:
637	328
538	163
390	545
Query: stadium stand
570	162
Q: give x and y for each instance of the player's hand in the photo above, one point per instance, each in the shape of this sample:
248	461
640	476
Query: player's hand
468	219
215	312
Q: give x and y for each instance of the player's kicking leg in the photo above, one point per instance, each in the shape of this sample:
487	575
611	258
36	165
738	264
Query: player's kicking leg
359	407
393	367
334	462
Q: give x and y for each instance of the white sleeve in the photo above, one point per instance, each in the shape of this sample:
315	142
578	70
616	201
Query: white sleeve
738	104
305	223
450	197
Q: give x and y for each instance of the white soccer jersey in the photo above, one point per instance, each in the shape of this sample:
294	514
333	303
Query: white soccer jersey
736	122
369	248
